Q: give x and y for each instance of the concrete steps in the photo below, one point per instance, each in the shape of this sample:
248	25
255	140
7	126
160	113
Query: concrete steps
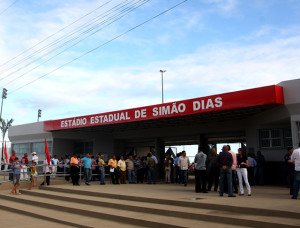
66	211
186	211
50	215
90	208
178	202
10	219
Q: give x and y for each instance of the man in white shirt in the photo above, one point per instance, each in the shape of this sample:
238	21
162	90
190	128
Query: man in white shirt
48	171
296	159
54	162
183	165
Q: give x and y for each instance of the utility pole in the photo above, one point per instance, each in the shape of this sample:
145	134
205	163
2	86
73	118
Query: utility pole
162	85
39	115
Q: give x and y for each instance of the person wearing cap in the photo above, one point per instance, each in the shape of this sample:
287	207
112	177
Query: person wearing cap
34	158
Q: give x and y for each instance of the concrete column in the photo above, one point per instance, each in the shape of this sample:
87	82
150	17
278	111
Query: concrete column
119	147
202	141
160	154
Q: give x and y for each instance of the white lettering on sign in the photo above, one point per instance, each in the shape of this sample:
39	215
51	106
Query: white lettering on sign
169	109
207	104
109	118
140	113
73	122
218	102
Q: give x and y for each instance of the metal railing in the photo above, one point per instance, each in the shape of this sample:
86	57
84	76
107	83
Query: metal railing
4	174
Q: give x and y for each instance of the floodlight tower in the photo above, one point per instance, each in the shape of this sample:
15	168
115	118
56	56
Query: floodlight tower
39	115
4	96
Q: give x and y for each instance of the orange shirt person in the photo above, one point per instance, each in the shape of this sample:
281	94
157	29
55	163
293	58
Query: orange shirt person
74	170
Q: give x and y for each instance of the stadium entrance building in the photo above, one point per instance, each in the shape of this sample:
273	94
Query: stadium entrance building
265	118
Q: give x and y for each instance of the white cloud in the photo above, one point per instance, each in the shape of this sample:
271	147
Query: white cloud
223	5
212	69
84	88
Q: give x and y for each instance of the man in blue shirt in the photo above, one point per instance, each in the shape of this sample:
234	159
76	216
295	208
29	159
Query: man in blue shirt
176	169
139	169
16	167
200	171
87	161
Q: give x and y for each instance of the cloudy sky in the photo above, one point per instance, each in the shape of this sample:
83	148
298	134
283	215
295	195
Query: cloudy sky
80	57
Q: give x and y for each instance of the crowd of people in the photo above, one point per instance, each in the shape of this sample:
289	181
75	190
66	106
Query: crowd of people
135	170
227	170
20	170
232	171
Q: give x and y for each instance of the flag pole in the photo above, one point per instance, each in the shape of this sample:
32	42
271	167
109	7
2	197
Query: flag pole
47	159
45	174
45	164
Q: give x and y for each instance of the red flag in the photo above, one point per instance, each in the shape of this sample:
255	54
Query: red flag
47	153
5	152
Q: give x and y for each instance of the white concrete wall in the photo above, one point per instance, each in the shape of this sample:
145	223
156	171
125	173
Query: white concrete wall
32	132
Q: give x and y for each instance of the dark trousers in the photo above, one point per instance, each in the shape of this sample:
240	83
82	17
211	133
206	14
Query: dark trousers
213	178
140	175
260	175
200	180
184	176
177	174
67	172
114	176
291	176
94	174
122	177
251	175
234	181
296	184
75	175
228	174
172	174
47	179
151	175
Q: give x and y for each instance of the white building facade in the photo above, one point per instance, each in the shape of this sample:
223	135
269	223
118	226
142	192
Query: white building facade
265	119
